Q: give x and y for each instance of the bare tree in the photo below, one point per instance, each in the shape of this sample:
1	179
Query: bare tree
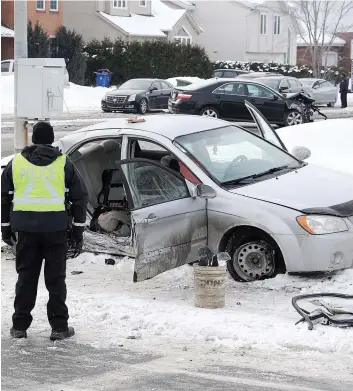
318	23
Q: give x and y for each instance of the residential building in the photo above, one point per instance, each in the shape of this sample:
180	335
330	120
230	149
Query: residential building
243	30
48	13
330	50
130	20
7	30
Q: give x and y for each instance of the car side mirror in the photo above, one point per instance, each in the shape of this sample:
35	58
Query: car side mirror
283	89
274	97
301	153
205	191
153	89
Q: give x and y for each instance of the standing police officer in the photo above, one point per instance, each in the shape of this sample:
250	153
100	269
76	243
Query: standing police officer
34	188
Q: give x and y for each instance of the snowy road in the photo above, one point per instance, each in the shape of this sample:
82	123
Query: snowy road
149	336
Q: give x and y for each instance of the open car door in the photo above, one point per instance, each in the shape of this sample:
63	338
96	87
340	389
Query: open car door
264	126
168	225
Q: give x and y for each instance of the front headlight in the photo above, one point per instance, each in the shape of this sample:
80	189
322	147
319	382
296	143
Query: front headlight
132	98
321	225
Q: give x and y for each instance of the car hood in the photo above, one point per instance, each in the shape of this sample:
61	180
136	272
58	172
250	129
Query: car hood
125	92
309	189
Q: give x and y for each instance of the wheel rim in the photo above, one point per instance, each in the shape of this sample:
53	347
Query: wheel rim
210	113
254	261
294	118
143	106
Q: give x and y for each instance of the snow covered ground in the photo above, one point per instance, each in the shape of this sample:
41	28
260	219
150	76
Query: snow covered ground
77	98
106	308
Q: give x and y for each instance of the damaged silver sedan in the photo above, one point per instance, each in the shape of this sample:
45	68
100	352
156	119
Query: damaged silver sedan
178	183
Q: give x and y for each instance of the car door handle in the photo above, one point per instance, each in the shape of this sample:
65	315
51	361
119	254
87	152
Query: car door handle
253	100
150	219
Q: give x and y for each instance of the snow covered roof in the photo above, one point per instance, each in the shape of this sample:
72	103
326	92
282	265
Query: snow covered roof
6	32
336	41
163	19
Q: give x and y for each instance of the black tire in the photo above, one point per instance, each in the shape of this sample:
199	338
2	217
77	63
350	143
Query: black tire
265	261
106	111
331	104
143	106
293	117
206	109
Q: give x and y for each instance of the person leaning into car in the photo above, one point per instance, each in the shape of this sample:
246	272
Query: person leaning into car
35	187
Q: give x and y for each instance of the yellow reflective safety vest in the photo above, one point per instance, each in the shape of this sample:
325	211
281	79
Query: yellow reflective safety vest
38	188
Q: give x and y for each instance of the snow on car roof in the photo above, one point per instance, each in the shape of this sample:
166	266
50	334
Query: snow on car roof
170	126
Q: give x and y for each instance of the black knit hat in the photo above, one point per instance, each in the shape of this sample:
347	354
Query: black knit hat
43	133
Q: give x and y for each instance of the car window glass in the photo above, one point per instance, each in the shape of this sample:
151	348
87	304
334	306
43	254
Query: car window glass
151	184
259	91
217	74
326	84
229	74
157	84
147	146
5	66
284	84
164	85
292	83
232	89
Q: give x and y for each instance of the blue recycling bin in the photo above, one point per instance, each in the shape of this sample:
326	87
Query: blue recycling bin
103	78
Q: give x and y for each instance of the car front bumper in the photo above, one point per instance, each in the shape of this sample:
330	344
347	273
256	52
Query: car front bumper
317	253
126	106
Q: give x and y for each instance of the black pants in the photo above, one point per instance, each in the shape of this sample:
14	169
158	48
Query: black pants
31	249
344	99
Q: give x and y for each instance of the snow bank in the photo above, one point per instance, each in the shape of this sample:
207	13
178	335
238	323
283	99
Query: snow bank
106	308
77	98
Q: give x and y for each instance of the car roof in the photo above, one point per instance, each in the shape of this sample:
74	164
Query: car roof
170	126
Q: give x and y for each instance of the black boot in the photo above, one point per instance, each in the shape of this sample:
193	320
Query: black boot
62	334
18	333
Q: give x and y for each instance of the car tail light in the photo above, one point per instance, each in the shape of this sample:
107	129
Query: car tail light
184	96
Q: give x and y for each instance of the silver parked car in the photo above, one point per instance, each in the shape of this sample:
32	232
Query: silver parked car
193	181
324	92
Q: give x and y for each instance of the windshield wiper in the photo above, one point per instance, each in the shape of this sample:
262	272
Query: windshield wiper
254	176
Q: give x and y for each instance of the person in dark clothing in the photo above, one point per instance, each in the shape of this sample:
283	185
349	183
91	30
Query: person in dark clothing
36	187
344	90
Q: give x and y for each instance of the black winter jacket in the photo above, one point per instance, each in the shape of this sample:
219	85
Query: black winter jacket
344	85
43	155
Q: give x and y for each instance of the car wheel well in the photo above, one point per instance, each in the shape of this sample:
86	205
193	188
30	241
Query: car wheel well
253	233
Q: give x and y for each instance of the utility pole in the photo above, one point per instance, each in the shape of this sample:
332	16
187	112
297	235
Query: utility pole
21	51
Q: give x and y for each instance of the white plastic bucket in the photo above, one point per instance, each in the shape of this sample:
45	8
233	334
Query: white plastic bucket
210	286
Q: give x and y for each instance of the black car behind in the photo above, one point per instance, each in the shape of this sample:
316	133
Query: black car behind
138	95
224	98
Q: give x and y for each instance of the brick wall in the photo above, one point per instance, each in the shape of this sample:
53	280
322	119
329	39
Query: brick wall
346	50
50	20
7	15
343	53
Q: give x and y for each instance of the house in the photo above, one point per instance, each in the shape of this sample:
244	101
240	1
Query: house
130	20
330	50
243	30
7	30
48	13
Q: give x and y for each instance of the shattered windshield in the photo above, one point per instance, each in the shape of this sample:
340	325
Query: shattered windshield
230	153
